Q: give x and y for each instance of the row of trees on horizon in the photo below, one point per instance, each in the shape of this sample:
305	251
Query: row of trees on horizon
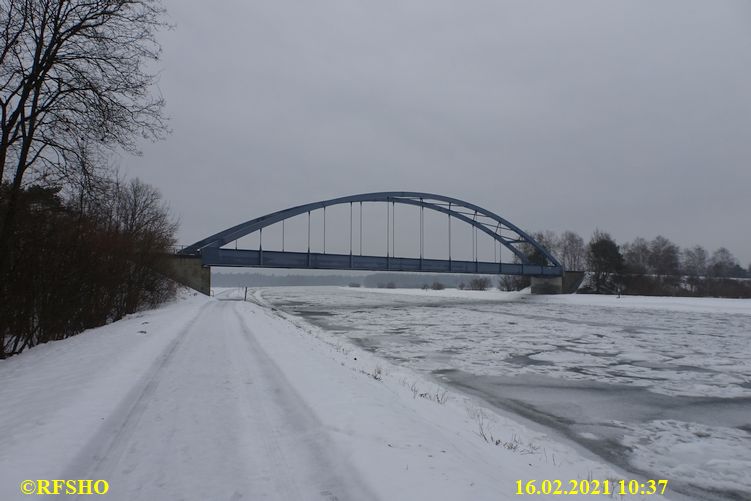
658	256
656	266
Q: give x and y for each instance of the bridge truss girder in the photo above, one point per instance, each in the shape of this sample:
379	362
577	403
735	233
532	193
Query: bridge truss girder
212	254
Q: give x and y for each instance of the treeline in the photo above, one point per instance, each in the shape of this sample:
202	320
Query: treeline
75	246
660	267
79	261
647	267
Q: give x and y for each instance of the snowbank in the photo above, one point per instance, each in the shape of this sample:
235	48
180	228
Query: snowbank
192	398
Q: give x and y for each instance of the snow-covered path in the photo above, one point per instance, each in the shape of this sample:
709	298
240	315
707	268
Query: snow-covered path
183	433
228	400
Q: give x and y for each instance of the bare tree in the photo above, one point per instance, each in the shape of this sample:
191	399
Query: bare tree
148	230
547	239
694	265
479	284
636	256
513	282
572	251
695	261
664	256
79	266
723	263
73	87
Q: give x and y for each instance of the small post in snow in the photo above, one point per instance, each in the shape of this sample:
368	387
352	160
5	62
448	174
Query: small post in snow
246	294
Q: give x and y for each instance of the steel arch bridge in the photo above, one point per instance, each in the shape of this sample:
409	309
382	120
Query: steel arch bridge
211	252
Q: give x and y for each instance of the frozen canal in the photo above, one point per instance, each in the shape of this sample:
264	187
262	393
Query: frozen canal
658	386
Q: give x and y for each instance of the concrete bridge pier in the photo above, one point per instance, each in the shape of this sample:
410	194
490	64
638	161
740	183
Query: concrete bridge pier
189	271
547	285
566	284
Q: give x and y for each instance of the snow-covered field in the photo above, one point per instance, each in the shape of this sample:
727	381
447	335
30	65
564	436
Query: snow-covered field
658	386
207	399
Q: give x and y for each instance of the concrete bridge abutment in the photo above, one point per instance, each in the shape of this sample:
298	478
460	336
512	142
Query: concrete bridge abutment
566	284
187	270
547	285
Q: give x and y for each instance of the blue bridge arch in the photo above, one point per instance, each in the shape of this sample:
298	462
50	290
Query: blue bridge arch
211	252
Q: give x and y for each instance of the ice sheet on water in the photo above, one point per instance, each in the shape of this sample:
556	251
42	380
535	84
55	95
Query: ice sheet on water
708	457
680	352
682	366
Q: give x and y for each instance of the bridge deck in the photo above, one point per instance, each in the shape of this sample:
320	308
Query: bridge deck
211	256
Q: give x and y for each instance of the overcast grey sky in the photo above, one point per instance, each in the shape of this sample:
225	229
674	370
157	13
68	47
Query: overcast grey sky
631	116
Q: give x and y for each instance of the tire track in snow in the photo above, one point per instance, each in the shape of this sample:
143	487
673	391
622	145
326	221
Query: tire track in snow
298	439
121	423
215	418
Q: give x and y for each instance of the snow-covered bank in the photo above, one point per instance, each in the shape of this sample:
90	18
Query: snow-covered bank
639	386
226	400
55	396
395	425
